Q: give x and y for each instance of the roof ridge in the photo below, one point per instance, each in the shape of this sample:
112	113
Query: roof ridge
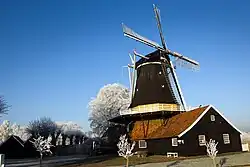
18	139
205	106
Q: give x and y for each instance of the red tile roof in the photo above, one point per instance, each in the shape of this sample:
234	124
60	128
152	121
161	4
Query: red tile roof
159	128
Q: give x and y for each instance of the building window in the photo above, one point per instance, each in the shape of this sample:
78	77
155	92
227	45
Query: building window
212	117
181	141
202	140
142	144
226	139
174	142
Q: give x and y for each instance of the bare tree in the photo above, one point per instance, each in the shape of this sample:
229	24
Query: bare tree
42	145
212	150
4	108
42	127
125	148
109	102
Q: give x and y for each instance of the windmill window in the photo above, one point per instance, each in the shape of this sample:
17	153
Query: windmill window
202	140
212	117
137	90
174	142
226	139
142	144
162	86
160	72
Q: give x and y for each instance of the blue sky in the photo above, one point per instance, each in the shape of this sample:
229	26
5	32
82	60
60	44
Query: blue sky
56	55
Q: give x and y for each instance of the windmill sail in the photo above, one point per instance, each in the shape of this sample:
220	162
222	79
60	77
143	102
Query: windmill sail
130	33
158	19
174	80
188	60
170	85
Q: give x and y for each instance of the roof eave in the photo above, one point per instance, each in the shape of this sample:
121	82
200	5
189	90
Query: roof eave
198	119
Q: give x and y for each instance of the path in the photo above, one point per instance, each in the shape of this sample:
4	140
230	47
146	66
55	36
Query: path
226	160
50	161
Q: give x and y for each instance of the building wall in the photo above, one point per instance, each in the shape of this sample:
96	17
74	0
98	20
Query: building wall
157	146
12	149
211	130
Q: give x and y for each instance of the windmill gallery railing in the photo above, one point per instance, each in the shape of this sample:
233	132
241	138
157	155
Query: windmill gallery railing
152	108
156	107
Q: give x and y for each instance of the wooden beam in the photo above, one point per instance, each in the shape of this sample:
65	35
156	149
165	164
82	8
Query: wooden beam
140	55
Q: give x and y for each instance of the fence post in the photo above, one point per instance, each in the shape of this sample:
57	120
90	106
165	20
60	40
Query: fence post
2	160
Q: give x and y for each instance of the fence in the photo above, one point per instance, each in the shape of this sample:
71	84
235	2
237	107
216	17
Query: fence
72	149
245	147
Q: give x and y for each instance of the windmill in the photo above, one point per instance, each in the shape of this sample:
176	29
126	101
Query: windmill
132	74
165	54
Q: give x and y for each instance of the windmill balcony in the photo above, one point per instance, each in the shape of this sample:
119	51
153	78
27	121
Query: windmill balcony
153	108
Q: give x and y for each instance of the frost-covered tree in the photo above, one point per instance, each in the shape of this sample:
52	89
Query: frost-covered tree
125	148
42	145
3	106
42	127
111	100
90	134
7	129
72	130
212	150
20	131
